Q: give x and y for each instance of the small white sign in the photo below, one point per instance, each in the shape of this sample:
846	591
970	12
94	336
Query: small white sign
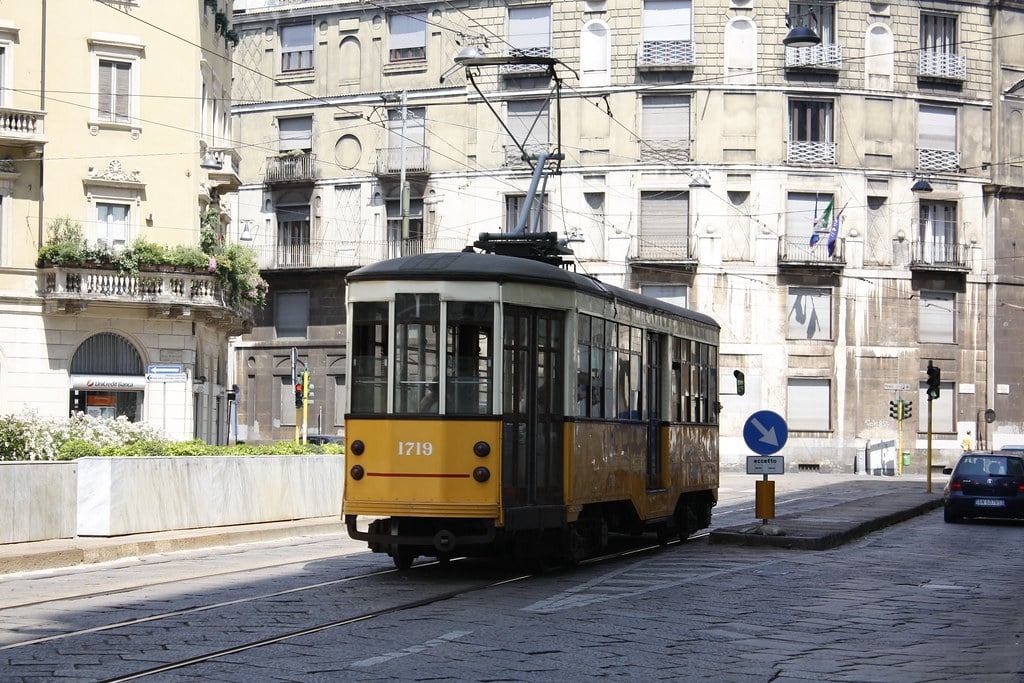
766	464
179	377
896	387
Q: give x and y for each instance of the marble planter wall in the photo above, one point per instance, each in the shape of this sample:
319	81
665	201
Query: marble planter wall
135	495
37	501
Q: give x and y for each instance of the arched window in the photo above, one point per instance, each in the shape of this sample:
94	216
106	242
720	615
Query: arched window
107	353
595	56
878	58
741	52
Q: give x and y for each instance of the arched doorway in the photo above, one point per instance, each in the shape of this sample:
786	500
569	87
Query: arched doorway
107	378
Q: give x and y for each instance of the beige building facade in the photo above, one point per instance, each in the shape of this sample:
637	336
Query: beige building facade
115	121
849	212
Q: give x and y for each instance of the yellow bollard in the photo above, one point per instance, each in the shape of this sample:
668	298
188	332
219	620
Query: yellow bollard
764	499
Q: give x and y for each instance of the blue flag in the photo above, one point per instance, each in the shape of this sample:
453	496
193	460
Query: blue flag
833	235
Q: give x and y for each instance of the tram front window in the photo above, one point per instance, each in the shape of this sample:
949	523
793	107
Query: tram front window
369	356
417	319
469	361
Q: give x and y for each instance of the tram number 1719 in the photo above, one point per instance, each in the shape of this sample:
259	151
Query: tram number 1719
424	448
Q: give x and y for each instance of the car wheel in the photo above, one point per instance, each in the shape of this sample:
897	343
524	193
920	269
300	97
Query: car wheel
950	517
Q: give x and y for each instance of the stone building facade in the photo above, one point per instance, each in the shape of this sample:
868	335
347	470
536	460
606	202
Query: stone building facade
848	211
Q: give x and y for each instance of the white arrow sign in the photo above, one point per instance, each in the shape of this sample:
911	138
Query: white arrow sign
767	435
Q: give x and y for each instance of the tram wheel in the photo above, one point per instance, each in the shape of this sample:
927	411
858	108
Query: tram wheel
403	557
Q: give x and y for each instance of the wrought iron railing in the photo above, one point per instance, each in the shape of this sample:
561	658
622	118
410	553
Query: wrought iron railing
816	153
350	253
824	56
289	167
942	65
799	250
654	53
943	255
389	159
511	69
938	160
658	248
664	151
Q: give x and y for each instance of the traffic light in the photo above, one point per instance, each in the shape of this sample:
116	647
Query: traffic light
741	384
908	409
894	410
298	394
934	381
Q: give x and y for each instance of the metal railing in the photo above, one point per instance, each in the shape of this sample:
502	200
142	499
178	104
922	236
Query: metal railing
663	151
943	255
389	159
350	253
798	250
938	160
511	69
824	56
942	65
666	250
817	153
654	53
286	168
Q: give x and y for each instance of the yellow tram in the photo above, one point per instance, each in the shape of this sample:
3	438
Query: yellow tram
503	405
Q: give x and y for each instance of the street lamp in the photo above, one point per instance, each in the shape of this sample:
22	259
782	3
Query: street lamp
800	35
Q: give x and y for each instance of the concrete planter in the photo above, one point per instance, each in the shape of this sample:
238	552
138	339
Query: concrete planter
37	501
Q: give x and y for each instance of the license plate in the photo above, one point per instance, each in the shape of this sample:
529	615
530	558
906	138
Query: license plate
989	503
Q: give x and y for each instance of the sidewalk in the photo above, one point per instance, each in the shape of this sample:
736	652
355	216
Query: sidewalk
825	511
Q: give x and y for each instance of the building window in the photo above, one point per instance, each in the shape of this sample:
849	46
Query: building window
810	132
938	233
405	233
407	35
537	221
295	133
665	129
820	16
664	226
678	295
287	402
937	317
592	225
595	54
293	240
529	31
340	405
809	218
407	140
741	52
809	404
112	224
938	56
667	34
810	313
297	47
936	135
529	126
291	314
114	92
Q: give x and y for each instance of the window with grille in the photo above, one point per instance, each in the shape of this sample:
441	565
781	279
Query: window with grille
297	47
407	35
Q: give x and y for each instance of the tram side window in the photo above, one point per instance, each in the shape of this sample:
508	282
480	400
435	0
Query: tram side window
628	376
417	319
688	386
676	384
608	343
369	357
470	358
585	367
712	370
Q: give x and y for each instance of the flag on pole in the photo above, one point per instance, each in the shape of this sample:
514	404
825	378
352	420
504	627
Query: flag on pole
822	223
833	233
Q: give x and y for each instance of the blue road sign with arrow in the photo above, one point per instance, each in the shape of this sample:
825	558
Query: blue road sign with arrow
765	432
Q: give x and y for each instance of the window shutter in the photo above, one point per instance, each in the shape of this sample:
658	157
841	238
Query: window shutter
296	133
808	404
529	27
408	31
666	118
105	108
122	91
297	37
936	316
664	215
937	128
667	20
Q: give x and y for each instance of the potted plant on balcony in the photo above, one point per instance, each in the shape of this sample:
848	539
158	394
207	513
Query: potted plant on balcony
189	259
65	244
149	255
239	274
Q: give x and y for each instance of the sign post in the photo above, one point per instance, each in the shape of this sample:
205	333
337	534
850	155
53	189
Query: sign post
765	433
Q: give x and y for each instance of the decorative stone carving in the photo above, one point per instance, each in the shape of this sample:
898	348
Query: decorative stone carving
115	172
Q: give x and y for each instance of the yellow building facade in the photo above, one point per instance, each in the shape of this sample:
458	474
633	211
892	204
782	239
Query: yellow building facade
114	137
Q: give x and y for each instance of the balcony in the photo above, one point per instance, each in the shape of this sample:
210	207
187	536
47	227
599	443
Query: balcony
525	69
797	253
664	251
666	55
390	160
514	156
226	178
826	56
811	153
349	253
938	160
946	66
943	256
165	295
292	168
665	151
21	128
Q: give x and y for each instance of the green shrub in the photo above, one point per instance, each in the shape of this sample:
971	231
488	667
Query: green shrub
77	448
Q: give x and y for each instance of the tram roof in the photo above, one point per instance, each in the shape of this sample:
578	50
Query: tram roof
474	266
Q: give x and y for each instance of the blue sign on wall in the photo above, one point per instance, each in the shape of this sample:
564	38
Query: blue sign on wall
765	432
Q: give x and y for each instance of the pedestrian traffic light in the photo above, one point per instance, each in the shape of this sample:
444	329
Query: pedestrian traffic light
908	409
298	394
934	381
894	410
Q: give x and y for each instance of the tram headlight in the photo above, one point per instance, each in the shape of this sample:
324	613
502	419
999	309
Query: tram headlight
482	449
481	474
357	472
357	447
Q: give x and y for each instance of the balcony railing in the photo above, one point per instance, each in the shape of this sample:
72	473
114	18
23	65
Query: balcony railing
662	249
227	178
931	255
938	160
797	251
514	156
827	56
21	126
665	151
389	159
812	153
291	168
349	253
527	69
653	54
185	292
944	65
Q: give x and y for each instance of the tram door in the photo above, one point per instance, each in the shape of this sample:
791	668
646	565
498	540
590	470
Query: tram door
532	407
652	410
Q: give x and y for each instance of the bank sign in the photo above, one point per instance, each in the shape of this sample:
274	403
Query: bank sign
108	383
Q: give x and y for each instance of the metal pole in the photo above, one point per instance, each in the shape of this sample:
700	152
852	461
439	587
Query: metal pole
402	182
928	489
